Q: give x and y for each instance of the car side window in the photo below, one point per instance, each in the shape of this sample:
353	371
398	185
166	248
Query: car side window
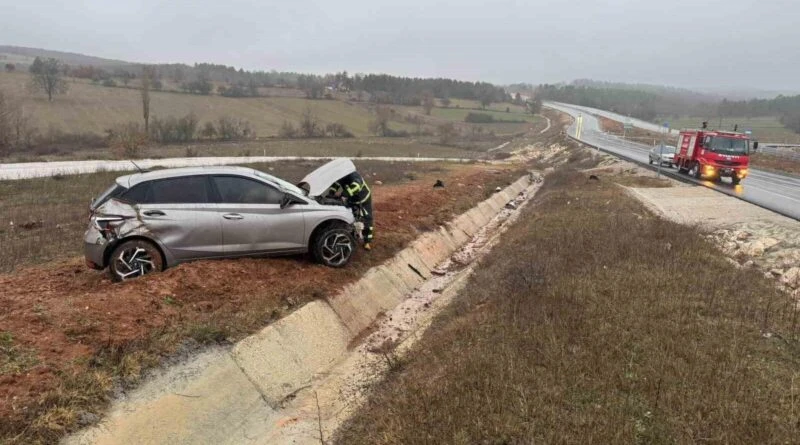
138	194
239	190
184	190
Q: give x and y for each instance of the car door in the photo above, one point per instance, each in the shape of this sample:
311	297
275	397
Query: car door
179	213
252	219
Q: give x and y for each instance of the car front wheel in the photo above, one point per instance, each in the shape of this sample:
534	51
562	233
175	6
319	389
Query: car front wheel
134	258
334	246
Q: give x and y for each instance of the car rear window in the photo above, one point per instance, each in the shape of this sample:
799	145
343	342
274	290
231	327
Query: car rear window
112	192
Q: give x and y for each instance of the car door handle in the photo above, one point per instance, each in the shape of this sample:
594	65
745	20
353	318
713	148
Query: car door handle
154	213
232	216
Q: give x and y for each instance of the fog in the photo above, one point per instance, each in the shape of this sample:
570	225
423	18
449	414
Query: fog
710	44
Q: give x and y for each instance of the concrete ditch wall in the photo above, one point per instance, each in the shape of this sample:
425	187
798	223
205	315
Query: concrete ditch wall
248	384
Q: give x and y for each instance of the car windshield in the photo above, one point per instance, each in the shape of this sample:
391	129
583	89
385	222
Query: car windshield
728	145
667	149
283	184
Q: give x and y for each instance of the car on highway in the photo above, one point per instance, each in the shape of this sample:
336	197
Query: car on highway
149	221
662	154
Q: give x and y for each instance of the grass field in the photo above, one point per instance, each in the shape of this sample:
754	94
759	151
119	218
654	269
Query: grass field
765	129
353	147
94	108
574	329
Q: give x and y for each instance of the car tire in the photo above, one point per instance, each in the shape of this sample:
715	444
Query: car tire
650	160
735	180
334	245
134	258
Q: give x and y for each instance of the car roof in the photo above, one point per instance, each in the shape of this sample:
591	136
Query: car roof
136	178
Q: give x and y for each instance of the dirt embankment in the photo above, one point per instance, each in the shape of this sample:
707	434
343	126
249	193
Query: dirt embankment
751	237
71	338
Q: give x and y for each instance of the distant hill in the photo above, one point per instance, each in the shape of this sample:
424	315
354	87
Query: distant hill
24	56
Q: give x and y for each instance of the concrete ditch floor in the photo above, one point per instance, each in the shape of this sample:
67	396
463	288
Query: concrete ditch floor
260	391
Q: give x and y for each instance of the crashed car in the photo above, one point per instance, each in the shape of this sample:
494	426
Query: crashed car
149	221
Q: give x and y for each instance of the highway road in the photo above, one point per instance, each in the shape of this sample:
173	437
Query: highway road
776	192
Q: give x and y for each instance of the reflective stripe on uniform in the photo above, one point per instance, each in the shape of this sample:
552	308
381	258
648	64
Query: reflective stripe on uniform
353	188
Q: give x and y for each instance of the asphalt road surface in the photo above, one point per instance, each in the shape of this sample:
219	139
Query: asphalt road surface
773	191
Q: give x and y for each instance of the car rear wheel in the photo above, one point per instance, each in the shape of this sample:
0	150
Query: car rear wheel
333	246
134	258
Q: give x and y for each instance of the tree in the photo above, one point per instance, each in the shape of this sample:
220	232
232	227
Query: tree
486	100
380	126
309	126
534	105
10	67
147	79
47	76
445	101
427	102
517	99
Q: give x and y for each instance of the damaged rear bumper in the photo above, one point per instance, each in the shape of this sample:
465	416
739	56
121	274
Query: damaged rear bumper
94	248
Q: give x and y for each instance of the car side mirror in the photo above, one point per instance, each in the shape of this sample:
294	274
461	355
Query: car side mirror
286	201
289	199
755	145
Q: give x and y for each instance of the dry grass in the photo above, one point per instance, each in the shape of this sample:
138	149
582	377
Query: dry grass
595	322
775	163
355	147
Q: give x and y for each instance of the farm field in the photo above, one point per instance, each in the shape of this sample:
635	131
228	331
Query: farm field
94	108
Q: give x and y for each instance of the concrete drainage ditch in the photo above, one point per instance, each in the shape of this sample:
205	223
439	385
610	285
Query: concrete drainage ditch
296	380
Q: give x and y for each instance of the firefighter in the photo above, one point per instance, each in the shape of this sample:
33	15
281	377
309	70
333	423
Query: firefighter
354	189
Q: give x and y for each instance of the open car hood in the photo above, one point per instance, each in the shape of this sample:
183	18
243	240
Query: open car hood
321	179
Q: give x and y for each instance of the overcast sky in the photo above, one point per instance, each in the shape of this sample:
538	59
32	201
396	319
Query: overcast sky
699	43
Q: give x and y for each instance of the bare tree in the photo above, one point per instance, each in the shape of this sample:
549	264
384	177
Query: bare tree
10	67
309	126
47	75
380	126
147	79
428	102
16	130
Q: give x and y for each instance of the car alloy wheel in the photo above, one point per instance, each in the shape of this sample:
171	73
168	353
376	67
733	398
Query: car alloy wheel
133	262
336	248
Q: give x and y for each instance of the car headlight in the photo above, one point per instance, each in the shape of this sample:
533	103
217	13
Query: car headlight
742	173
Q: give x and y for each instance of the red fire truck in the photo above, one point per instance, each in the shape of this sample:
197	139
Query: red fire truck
713	154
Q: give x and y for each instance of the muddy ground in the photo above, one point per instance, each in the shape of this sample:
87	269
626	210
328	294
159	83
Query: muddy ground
71	338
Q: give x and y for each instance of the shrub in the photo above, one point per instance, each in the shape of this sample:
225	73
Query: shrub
479	118
127	140
447	133
208	131
287	130
230	129
174	130
109	82
337	130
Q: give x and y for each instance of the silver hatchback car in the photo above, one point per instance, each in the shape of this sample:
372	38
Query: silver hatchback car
146	222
